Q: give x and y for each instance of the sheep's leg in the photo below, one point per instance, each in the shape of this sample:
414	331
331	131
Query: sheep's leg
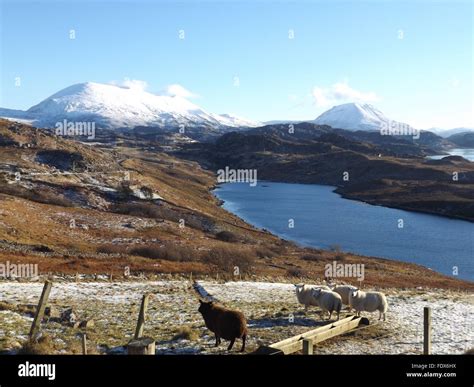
218	340
305	308
330	315
244	338
384	316
231	344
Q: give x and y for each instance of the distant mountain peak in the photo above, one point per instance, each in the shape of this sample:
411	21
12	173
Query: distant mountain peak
355	116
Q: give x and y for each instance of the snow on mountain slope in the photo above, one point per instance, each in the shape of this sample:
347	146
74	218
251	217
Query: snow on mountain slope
111	106
355	116
235	121
17	115
117	107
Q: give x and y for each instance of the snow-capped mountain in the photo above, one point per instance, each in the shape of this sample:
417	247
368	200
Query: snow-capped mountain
356	116
111	107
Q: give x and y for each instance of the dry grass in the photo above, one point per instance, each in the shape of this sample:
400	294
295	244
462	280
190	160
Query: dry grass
43	346
112	249
146	210
298	273
227	236
167	252
26	309
45	194
7	306
227	259
265	252
310	257
186	333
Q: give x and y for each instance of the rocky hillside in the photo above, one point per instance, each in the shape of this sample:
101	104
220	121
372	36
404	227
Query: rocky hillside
463	140
395	174
83	208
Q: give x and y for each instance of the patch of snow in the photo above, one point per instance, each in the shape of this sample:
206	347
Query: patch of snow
235	121
140	195
173	305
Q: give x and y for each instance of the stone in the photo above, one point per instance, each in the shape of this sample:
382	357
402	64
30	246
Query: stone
68	316
52	312
86	324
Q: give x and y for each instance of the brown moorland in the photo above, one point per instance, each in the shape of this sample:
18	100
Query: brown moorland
90	209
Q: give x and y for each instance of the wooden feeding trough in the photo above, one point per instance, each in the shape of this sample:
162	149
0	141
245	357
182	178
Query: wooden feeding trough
307	340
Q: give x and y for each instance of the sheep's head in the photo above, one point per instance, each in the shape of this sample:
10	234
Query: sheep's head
316	292
355	293
299	287
204	306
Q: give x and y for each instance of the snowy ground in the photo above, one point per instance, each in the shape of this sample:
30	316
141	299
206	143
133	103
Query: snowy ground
271	309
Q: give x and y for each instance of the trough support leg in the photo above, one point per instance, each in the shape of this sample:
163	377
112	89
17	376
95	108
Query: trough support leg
307	347
84	344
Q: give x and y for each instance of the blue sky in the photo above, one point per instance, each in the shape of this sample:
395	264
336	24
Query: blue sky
413	60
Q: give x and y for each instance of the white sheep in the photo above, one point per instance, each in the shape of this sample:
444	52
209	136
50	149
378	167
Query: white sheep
328	301
304	295
368	302
344	291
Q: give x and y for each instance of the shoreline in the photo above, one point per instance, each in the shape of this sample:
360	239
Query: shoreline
335	190
403	208
338	190
145	238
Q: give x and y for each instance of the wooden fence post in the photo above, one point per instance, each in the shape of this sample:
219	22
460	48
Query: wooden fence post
307	347
84	344
141	317
40	309
426	330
